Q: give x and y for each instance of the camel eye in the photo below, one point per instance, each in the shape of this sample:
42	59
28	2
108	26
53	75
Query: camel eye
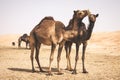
80	13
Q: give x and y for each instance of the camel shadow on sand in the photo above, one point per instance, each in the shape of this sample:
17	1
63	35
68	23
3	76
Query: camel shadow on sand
14	48
20	69
30	71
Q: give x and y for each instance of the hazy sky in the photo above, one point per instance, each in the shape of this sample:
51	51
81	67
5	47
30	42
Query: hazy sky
20	16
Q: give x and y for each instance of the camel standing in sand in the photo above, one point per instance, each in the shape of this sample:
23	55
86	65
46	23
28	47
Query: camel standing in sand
83	37
25	38
51	32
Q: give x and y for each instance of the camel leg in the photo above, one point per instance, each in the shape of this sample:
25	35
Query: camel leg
70	68
67	54
76	59
31	56
29	45
53	46
83	57
68	51
37	56
19	43
59	56
26	45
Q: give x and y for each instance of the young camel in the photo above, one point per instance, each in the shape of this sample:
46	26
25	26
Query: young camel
83	37
51	32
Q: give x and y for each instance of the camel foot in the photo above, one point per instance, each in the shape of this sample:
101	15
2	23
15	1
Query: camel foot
84	71
42	70
59	73
69	69
33	70
49	73
74	72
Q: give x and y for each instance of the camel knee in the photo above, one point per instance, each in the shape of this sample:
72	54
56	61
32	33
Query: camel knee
36	57
68	56
31	57
51	58
58	59
83	58
76	59
66	47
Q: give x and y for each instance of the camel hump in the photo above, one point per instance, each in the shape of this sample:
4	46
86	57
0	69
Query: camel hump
48	18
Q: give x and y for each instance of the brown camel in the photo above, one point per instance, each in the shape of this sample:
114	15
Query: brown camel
83	37
25	38
51	32
13	43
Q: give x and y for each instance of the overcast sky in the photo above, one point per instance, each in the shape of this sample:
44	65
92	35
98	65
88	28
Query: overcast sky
20	16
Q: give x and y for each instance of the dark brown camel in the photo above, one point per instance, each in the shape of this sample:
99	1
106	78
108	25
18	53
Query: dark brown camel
83	37
51	32
25	38
13	43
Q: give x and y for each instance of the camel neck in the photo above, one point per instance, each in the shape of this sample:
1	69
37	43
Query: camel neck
76	23
90	29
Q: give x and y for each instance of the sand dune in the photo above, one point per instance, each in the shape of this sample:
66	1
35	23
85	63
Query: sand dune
102	60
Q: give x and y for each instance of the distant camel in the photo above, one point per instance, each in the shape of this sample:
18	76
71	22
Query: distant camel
83	37
13	43
51	32
24	38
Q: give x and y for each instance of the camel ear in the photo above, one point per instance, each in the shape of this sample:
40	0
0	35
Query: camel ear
88	11
97	15
74	11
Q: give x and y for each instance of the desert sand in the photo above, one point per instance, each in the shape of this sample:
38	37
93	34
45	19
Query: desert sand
102	60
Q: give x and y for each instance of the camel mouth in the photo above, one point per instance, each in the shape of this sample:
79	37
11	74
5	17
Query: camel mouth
82	13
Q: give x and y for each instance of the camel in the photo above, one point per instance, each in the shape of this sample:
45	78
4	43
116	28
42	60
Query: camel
13	43
25	38
82	38
51	32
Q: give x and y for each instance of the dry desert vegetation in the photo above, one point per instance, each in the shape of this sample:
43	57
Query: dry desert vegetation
102	60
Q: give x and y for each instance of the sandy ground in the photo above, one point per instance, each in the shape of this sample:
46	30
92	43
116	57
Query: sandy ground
102	60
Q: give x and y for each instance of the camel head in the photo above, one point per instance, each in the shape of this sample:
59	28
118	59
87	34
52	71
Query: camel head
24	35
80	14
92	17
